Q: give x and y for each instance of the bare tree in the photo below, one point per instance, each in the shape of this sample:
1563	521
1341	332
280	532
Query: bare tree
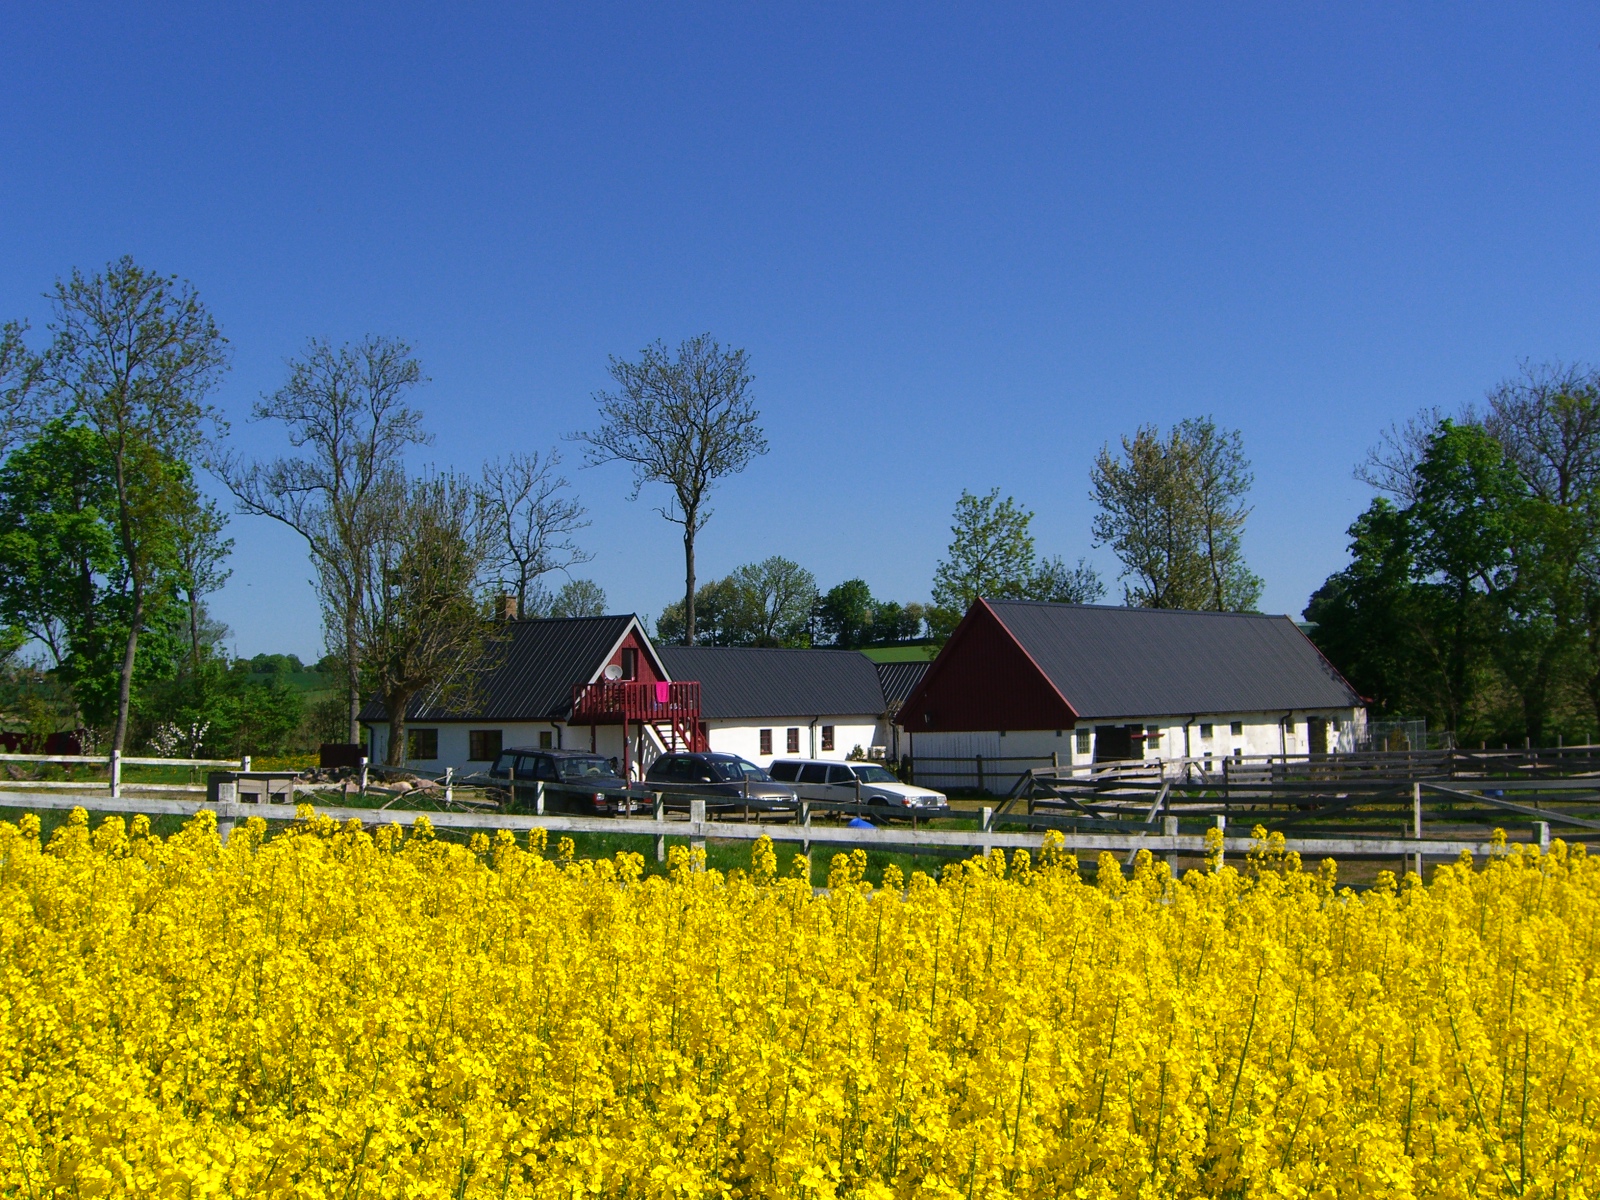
133	355
531	523
1391	465
425	621
685	420
1548	421
345	409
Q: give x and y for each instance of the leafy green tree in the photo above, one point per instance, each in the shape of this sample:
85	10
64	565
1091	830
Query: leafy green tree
1172	509
579	598
1455	599
714	605
767	603
772	603
1061	584
991	555
847	613
133	356
59	568
20	411
685	420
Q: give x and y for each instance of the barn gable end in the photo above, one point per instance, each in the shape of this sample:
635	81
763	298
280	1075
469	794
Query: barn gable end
983	679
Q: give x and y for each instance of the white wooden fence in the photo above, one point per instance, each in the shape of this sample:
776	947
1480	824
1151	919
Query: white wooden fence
698	829
115	761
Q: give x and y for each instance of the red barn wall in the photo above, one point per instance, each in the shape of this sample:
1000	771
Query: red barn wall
984	680
647	662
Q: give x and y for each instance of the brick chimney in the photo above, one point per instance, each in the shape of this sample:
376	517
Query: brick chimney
505	607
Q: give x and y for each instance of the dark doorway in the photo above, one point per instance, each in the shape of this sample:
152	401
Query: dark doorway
1317	734
1113	742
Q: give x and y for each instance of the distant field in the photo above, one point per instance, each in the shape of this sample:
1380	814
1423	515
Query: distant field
891	654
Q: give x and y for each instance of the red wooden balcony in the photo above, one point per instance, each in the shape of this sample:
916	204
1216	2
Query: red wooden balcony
672	708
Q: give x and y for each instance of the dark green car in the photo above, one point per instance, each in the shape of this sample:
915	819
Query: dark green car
575	781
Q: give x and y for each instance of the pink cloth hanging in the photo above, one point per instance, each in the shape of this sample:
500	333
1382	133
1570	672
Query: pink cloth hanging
663	693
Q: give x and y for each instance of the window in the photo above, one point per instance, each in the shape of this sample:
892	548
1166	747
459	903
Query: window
422	744
766	741
784	772
547	740
483	745
630	663
1152	737
1084	739
1238	754
814	773
791	743
544	768
841	775
1237	728
827	737
1205	731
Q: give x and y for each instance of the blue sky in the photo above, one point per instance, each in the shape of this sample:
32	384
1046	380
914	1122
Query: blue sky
963	246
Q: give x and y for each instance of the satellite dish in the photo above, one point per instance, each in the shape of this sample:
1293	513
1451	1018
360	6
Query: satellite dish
613	671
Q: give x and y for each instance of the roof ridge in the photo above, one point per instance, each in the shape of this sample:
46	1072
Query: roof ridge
1139	608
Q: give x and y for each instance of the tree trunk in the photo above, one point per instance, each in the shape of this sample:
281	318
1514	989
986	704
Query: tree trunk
125	683
194	638
688	579
397	703
352	667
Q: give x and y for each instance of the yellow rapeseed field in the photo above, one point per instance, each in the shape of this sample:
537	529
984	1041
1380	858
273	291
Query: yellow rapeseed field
335	1014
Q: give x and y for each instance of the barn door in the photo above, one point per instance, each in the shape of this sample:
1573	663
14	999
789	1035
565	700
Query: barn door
1317	734
1113	743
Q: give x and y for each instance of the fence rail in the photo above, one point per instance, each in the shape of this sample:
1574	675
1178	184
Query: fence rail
1168	841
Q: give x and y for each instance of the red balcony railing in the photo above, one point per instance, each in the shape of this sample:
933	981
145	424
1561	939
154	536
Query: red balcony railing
616	699
673	709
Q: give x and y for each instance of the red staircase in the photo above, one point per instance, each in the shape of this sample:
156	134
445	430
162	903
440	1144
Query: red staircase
671	709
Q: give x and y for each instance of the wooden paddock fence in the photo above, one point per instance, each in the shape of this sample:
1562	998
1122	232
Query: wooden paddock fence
1169	840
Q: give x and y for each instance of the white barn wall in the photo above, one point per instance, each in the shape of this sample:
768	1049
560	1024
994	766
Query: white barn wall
742	736
1260	734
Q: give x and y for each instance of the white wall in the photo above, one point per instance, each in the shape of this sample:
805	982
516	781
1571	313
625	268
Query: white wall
743	737
454	744
1259	734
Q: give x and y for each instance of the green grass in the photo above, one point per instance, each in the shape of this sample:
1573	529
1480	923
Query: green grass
894	654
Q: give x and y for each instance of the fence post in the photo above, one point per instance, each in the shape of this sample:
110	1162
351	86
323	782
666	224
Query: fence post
981	789
1222	824
227	800
1542	828
1416	822
538	797
805	821
697	817
1169	828
659	815
244	763
449	786
116	772
988	820
245	766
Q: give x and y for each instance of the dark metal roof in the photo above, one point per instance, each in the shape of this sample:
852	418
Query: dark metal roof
898	678
741	681
1127	662
527	673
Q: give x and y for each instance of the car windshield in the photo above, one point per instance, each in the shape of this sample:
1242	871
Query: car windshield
573	770
874	774
736	770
